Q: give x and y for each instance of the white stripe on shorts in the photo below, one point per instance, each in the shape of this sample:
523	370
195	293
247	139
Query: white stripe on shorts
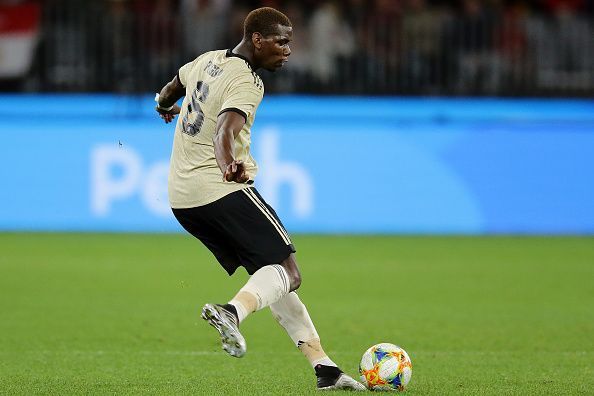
263	206
268	215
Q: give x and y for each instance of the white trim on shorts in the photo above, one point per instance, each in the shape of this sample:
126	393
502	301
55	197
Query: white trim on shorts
254	198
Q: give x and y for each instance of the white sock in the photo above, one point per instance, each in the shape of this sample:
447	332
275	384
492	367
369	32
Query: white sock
292	315
266	286
242	311
325	361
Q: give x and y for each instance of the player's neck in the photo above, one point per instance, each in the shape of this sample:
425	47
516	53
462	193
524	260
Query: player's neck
245	50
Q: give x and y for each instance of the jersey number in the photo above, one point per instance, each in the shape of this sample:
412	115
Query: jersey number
192	124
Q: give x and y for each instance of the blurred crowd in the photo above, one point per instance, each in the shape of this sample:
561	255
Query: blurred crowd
465	47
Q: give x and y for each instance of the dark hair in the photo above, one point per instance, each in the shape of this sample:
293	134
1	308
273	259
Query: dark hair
264	20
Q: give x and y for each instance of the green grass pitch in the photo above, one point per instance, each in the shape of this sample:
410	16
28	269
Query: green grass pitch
118	314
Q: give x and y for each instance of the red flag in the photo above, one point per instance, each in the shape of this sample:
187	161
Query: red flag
19	33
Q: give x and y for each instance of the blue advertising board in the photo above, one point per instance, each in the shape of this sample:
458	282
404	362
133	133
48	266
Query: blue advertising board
328	165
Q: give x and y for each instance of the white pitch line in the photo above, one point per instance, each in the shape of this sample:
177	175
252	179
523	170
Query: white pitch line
222	353
141	352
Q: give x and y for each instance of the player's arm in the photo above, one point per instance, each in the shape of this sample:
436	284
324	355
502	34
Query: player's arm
229	124
167	98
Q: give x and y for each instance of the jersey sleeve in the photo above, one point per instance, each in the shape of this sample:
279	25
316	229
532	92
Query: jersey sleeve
243	95
182	73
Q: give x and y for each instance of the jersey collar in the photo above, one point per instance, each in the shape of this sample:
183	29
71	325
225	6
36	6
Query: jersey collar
230	54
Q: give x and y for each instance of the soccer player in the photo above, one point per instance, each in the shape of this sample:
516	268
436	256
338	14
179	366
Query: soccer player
211	193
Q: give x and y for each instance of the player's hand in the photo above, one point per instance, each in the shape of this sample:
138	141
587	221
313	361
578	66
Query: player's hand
235	172
168	116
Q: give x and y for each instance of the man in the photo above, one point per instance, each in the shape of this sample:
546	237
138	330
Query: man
210	187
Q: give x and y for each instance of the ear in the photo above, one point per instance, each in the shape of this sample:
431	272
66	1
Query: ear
257	40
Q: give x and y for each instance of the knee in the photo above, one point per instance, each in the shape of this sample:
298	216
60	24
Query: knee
290	265
295	281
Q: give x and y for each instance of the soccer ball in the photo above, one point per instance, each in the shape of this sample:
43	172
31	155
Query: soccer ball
385	367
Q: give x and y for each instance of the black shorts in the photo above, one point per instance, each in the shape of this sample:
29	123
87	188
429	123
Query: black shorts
240	229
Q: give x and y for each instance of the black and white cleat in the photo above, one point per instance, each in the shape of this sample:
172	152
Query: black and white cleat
332	378
225	322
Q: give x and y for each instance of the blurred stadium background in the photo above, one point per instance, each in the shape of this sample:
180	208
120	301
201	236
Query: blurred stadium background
392	117
418	47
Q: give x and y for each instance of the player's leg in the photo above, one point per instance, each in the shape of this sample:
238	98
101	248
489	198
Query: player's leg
261	238
263	247
249	299
292	315
265	287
